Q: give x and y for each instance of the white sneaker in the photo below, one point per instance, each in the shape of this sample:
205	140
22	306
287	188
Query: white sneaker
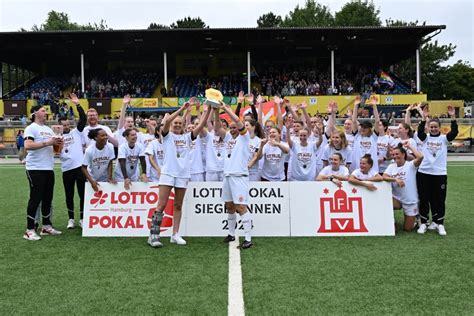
154	241
422	229
49	230
30	234
176	239
70	224
80	223
433	226
441	230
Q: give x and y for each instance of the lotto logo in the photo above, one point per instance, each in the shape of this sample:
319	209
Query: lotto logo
167	216
99	198
341	214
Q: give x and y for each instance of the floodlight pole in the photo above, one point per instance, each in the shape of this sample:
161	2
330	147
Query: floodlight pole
418	76
82	73
165	70
332	69
1	81
248	73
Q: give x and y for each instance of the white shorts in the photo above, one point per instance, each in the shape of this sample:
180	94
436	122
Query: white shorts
173	181
197	177
410	209
214	176
236	189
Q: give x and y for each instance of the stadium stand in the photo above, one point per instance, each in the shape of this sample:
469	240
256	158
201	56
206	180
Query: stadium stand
44	90
195	86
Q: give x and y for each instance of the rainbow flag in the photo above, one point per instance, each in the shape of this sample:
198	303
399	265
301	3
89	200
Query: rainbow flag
385	78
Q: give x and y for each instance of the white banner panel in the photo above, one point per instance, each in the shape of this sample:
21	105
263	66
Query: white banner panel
114	212
278	208
268	202
323	209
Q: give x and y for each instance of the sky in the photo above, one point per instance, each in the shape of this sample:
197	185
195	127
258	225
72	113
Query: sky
457	15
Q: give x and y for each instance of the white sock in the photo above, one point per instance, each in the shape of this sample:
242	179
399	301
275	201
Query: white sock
247	222
232	221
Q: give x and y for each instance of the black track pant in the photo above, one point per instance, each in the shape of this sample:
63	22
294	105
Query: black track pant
432	193
71	178
41	190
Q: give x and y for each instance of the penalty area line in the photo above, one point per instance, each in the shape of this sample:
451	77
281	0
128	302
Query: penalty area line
236	293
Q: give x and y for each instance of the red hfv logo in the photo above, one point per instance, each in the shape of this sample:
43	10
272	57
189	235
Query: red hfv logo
340	214
167	216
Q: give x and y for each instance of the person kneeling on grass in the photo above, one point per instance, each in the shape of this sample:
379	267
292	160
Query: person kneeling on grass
364	174
402	174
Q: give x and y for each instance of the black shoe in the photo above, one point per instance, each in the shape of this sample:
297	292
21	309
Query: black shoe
229	238
246	244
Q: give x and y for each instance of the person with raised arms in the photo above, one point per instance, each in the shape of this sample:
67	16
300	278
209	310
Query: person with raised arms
235	189
402	174
273	152
432	176
129	154
175	173
98	159
365	174
93	123
72	155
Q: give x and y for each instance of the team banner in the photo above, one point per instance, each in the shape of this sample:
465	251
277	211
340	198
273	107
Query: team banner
278	208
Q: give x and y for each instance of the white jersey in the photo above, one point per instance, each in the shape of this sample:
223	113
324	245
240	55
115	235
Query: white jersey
411	141
329	150
328	171
42	158
364	176
435	154
303	162
408	194
253	149
86	130
420	146
146	139
365	145
195	156
319	157
97	161
72	153
214	153
236	155
132	159
273	163
350	140
155	149
383	143
176	149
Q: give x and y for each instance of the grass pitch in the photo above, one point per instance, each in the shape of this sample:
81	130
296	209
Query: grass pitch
405	274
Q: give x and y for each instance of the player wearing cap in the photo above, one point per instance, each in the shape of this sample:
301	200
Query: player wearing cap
236	175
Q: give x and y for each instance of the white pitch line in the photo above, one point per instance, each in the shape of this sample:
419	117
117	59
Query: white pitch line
236	293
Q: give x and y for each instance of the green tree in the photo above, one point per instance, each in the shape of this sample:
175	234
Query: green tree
189	23
358	13
155	26
458	81
312	14
59	21
269	20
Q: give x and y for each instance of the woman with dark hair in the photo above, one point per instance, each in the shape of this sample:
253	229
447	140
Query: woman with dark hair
129	153
255	138
39	141
402	174
273	152
156	156
335	172
98	159
432	179
365	174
